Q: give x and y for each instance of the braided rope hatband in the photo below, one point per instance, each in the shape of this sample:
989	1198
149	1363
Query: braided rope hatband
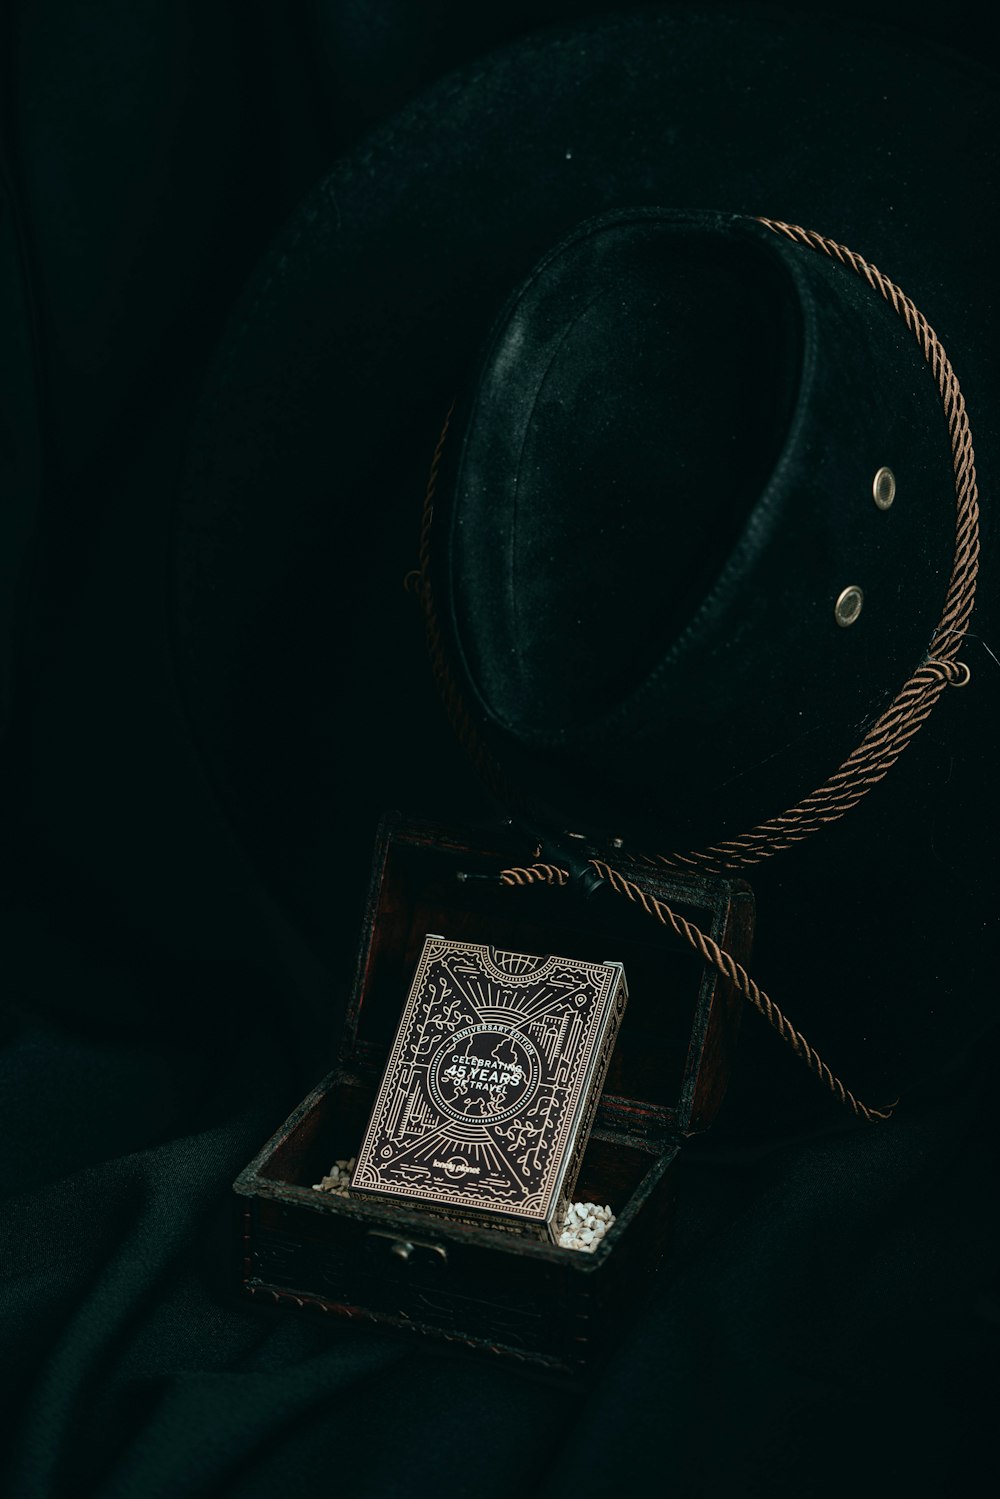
885	741
864	768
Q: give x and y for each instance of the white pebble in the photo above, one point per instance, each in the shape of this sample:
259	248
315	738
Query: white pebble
584	1225
338	1179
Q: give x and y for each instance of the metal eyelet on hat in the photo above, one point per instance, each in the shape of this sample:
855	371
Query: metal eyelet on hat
884	488
848	605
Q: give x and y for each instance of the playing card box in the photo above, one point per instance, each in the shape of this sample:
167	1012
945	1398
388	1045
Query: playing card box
486	1103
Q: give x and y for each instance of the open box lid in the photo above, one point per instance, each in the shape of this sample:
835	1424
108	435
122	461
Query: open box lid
671	1063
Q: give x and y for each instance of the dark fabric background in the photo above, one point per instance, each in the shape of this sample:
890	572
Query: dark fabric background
830	1314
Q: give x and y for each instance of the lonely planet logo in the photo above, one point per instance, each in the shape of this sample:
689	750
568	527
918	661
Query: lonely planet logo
456	1167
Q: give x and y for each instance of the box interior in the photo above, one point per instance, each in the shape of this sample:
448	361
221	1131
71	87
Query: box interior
420	893
612	1168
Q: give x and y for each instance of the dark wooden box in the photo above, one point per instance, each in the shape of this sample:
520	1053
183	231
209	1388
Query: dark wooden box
556	1309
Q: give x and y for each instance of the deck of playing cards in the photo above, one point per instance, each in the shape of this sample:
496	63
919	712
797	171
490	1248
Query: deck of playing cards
489	1093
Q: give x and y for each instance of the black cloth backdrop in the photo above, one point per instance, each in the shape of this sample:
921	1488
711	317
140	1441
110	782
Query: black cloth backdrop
829	1315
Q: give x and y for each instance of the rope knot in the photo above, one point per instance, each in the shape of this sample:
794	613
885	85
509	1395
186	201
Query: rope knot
955	673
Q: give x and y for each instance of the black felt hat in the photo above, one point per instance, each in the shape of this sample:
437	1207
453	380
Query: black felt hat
667	563
702	474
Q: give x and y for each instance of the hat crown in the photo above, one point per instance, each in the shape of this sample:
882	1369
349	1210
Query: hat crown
662	490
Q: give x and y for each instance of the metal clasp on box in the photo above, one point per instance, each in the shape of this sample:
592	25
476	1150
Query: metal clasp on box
411	1251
